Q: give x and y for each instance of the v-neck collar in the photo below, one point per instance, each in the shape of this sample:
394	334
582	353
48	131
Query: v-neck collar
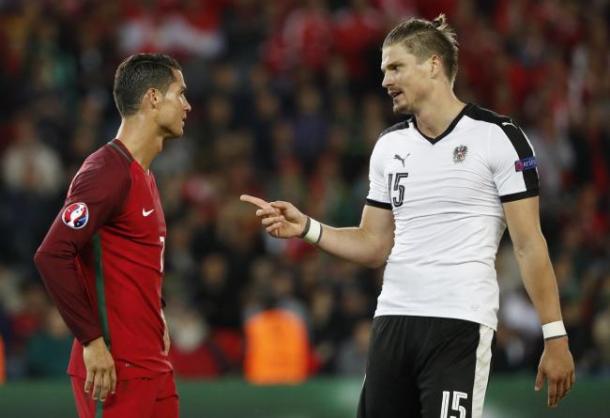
447	131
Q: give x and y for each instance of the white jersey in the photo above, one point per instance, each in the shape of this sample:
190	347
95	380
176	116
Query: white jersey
446	196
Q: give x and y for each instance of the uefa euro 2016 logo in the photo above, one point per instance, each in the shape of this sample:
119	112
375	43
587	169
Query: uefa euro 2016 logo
76	215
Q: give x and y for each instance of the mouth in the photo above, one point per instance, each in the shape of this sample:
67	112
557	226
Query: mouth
394	94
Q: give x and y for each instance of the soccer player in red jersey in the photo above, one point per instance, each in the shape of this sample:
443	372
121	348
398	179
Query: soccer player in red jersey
102	258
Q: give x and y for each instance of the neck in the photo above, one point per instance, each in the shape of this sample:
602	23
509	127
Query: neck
435	116
141	138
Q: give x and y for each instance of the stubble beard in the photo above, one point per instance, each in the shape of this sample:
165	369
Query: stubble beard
402	109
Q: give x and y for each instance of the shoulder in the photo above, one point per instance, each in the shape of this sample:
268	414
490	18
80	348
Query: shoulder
387	136
502	124
106	168
502	128
485	115
397	127
109	156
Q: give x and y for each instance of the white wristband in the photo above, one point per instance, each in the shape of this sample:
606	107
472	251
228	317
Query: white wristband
553	330
313	231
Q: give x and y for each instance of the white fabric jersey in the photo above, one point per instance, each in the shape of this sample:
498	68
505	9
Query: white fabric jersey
446	196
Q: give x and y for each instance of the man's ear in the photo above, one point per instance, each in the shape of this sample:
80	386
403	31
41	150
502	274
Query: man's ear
436	66
152	97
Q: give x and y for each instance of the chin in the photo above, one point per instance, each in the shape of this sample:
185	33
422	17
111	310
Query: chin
174	133
401	110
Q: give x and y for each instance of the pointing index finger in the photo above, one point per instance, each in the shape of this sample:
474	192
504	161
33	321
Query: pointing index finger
256	201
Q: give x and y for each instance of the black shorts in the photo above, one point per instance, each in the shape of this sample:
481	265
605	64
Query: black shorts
421	367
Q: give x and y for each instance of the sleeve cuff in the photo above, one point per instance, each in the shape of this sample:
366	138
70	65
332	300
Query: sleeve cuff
377	204
518	196
86	340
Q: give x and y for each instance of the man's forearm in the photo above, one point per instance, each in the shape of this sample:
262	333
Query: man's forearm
62	281
539	279
355	244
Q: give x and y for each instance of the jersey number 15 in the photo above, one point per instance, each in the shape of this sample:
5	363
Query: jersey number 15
453	402
395	186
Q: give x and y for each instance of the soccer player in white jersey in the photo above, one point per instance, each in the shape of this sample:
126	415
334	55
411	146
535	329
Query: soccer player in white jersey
444	184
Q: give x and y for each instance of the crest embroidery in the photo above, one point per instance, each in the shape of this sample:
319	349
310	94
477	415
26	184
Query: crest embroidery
459	153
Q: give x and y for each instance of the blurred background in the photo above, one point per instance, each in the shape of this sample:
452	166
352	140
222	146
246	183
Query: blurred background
287	104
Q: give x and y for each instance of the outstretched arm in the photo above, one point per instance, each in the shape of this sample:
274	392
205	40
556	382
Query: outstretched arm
556	364
368	244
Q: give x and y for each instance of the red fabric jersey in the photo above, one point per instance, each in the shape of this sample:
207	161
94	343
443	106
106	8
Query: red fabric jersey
102	262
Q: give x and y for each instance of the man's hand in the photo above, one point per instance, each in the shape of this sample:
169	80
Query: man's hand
280	219
101	373
166	339
557	366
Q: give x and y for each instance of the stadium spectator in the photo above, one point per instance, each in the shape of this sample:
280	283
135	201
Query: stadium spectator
48	350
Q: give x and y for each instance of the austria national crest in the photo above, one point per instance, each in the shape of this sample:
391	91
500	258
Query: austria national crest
459	153
76	215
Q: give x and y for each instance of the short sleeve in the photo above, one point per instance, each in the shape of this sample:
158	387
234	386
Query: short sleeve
378	195
512	162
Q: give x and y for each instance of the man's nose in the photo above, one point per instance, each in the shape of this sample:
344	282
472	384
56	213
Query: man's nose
386	80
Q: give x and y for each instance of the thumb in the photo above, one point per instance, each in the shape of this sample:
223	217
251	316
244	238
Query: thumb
539	380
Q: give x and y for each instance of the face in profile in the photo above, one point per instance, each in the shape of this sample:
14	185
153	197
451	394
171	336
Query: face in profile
405	79
173	107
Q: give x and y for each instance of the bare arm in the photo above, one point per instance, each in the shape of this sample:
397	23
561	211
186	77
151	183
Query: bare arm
368	244
533	258
556	363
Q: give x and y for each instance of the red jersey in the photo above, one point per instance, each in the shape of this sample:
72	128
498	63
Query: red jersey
102	262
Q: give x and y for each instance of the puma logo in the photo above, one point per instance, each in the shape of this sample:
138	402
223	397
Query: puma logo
399	158
145	212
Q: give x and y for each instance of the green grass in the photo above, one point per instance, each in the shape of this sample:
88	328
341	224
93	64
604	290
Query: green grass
507	397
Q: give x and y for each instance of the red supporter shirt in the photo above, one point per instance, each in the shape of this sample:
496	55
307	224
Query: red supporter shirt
102	262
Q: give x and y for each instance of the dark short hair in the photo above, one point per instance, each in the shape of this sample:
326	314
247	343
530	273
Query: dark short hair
424	38
138	73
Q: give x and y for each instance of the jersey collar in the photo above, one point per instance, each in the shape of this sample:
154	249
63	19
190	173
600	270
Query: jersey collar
447	131
121	148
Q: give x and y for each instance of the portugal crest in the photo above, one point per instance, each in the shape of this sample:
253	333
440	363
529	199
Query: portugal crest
459	153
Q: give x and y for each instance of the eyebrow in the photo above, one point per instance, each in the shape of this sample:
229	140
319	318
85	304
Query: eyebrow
392	63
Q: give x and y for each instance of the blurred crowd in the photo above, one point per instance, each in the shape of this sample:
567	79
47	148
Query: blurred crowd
287	104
